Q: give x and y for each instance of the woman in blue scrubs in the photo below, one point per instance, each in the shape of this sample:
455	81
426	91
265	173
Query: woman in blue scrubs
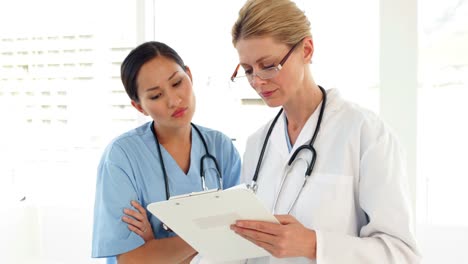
155	161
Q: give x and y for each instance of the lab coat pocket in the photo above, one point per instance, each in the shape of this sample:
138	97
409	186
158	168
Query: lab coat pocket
327	202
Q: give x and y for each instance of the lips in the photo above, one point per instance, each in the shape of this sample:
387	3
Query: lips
267	94
179	112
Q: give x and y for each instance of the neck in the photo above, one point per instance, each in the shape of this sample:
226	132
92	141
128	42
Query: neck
302	106
177	142
170	136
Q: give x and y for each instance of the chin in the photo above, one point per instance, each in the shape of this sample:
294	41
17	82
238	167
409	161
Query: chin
272	103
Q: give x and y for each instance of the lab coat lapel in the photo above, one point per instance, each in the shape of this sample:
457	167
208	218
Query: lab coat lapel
307	131
274	167
278	139
293	176
274	162
333	103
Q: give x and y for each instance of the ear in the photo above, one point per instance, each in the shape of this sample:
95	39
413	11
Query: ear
308	48
139	108
189	73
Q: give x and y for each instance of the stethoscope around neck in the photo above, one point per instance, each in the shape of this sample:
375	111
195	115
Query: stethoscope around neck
202	159
202	167
310	147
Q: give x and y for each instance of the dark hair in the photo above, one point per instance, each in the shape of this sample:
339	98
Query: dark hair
140	55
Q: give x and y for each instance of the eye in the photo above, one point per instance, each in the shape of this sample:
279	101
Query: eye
156	96
177	83
248	71
266	67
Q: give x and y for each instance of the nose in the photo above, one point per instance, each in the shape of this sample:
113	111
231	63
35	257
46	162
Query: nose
256	81
173	100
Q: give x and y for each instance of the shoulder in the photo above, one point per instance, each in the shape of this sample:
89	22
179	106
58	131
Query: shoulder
220	145
339	107
213	136
357	119
127	141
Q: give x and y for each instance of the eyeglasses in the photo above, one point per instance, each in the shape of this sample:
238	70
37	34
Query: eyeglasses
264	74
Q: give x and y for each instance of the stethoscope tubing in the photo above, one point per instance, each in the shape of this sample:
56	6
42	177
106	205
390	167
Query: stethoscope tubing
254	186
202	172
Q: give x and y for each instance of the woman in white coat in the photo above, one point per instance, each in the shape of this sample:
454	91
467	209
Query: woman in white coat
354	206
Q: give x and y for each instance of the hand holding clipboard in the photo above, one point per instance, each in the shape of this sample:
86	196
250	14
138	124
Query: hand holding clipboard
203	220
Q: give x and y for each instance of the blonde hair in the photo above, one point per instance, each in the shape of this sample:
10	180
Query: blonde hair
280	19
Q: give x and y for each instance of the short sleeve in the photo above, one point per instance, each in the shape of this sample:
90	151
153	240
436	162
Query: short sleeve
231	164
115	188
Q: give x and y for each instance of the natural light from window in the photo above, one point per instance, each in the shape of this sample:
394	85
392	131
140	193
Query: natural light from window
62	101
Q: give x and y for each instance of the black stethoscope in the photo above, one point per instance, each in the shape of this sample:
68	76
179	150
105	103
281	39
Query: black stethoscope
254	186
202	171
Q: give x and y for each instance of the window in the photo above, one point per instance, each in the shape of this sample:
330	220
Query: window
55	59
442	130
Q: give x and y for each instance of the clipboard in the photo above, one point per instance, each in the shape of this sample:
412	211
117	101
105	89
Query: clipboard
203	220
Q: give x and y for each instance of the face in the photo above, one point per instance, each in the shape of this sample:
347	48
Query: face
257	54
165	93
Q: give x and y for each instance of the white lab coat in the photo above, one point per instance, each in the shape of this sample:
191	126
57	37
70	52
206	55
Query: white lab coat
357	198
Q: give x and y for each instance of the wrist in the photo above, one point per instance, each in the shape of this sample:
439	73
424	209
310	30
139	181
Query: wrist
312	245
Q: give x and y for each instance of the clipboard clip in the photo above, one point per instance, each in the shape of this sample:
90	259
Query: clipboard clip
168	229
165	227
253	186
192	194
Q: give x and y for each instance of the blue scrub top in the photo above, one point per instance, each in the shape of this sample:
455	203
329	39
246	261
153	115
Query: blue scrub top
130	169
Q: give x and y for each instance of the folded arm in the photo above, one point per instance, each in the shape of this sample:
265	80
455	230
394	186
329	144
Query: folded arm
166	250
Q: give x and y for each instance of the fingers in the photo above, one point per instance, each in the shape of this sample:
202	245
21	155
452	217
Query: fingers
133	222
134	214
255	236
139	208
136	230
265	227
139	215
289	238
135	219
265	245
275	245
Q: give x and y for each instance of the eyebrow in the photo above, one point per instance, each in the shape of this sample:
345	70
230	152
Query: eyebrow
157	87
257	61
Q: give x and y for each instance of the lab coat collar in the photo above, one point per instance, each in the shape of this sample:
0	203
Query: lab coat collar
278	140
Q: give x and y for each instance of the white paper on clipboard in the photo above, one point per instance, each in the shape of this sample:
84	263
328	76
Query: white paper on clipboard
203	220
